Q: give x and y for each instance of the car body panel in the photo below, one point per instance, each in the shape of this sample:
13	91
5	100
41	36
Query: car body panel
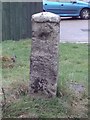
65	9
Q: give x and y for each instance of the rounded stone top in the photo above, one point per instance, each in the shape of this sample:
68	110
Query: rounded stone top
46	17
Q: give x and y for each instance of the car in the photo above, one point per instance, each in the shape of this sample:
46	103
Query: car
68	8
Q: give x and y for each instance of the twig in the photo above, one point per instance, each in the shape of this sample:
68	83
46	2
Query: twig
4	97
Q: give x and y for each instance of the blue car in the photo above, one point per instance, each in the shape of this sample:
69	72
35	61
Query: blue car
68	8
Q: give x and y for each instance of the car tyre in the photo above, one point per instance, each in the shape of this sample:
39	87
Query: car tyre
43	10
85	14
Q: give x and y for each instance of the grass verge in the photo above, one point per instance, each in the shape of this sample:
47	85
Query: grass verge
73	73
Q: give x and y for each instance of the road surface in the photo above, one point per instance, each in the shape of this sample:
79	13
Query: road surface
74	30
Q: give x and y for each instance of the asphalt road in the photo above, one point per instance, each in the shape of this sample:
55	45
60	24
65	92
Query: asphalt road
74	30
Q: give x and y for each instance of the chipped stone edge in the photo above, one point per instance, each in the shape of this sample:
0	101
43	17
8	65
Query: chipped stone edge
46	17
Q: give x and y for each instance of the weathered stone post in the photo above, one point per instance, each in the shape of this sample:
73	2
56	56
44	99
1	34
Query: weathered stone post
44	54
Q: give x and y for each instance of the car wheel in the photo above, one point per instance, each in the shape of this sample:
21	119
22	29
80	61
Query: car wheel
85	14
